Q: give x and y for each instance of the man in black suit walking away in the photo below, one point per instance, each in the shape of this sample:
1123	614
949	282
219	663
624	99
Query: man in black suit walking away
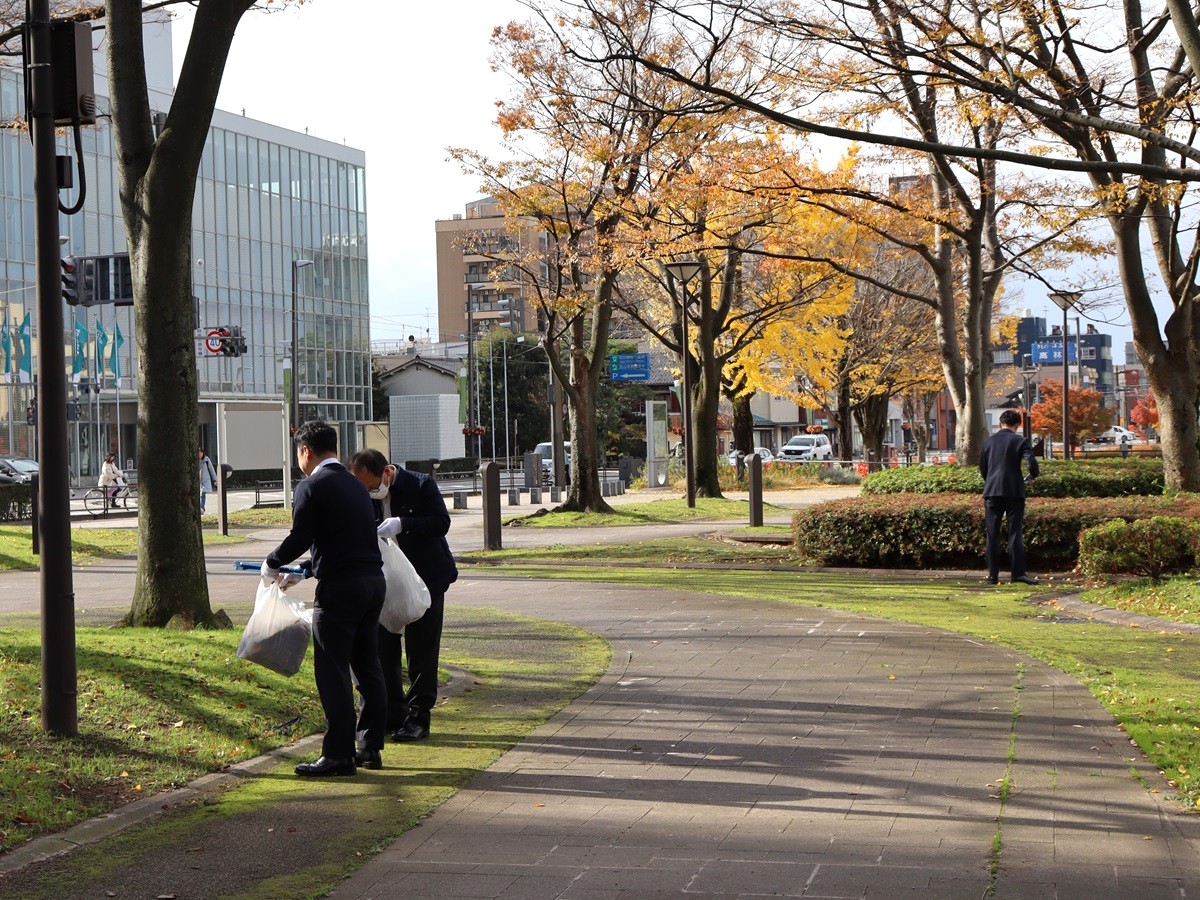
410	508
1004	494
332	514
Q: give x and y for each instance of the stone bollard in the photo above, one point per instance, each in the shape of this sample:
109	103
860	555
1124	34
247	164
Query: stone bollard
460	499
514	497
556	495
535	495
491	506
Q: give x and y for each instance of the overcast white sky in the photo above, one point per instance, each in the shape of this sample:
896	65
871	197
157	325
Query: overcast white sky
403	82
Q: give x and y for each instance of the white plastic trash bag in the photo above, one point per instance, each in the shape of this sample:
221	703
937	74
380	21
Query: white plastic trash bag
278	632
407	597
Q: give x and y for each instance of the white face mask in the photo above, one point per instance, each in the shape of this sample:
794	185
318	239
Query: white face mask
381	492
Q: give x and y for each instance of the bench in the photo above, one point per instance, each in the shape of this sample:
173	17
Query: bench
264	493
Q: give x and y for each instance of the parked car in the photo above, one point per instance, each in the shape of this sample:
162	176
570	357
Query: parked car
546	451
19	468
763	453
1117	435
806	448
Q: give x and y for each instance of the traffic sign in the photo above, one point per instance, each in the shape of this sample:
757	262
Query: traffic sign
629	366
215	340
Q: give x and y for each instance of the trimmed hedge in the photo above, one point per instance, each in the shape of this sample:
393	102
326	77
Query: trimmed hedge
947	531
1058	478
1162	545
16	502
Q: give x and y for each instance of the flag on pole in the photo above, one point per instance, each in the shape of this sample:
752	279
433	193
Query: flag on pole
117	341
25	334
81	340
101	346
7	346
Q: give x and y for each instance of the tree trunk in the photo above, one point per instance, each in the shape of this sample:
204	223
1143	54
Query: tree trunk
157	186
1175	385
743	424
706	395
584	494
845	436
871	416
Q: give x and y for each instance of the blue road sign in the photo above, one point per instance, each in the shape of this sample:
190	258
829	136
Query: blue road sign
1047	352
629	367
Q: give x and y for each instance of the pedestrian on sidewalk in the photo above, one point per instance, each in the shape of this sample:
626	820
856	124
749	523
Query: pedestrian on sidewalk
208	478
332	515
1004	494
409	507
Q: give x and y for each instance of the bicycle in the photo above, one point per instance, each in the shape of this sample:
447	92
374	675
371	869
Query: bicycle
99	500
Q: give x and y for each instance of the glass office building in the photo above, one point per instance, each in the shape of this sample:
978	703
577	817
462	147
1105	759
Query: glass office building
265	197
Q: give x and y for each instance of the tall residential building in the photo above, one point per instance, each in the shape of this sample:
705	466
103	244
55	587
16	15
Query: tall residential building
474	282
266	196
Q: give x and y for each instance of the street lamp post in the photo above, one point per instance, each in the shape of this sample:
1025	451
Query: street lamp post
293	403
1028	373
684	271
1064	300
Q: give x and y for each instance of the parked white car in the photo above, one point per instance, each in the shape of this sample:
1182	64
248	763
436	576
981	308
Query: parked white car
1117	435
764	454
806	448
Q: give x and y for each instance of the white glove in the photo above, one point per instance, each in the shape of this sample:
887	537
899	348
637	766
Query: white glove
287	579
268	574
389	527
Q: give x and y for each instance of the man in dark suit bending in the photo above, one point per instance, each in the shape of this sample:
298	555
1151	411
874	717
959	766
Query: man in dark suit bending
332	514
409	507
1004	494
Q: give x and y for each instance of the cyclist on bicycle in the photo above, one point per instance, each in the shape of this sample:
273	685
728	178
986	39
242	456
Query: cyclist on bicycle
110	476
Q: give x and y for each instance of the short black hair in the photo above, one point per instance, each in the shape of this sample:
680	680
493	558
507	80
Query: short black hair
368	461
318	436
1010	417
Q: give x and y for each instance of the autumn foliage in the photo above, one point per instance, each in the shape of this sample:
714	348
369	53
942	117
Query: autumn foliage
1088	419
1144	415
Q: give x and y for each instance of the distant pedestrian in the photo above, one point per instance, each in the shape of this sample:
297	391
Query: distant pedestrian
409	507
208	478
111	478
1004	494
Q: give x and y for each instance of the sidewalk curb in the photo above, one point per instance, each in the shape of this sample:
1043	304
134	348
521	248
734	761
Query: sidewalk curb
98	828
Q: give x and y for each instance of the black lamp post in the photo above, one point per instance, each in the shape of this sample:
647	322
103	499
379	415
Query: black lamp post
684	271
1064	300
1028	373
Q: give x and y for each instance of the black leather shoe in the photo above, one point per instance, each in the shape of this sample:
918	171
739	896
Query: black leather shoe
1025	579
327	765
993	580
369	759
410	731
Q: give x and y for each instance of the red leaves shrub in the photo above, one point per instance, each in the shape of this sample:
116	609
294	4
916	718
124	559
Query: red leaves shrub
946	530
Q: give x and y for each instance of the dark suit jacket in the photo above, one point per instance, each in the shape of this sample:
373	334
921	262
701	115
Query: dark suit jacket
332	514
1000	464
417	502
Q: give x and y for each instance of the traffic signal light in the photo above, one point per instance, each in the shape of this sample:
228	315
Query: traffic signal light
31	415
87	282
70	276
239	341
228	348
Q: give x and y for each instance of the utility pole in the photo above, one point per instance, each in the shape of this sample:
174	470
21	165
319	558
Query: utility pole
59	701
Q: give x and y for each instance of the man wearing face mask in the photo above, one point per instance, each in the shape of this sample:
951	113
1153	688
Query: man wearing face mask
409	507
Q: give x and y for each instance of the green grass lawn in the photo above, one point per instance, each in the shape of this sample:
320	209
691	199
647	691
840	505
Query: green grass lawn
1175	599
158	708
1150	682
266	517
87	545
641	514
666	550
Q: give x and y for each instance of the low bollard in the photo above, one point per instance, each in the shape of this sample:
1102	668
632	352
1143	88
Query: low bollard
556	495
491	506
535	495
460	499
514	497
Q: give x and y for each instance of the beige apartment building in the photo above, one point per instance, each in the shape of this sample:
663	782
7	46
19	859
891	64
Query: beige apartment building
475	286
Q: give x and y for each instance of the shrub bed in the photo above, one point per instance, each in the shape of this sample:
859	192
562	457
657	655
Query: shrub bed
947	531
1058	478
1154	547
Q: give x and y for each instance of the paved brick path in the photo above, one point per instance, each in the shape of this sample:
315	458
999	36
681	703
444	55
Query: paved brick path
741	748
